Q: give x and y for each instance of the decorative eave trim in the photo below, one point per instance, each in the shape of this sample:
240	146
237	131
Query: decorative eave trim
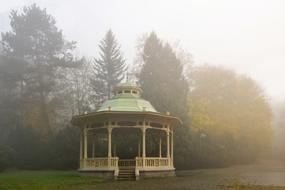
76	119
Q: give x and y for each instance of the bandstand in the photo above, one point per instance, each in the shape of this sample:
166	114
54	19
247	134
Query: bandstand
124	112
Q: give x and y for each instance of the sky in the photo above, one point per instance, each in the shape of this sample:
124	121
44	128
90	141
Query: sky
244	35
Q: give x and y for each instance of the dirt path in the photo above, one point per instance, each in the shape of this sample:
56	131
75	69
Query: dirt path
266	173
259	174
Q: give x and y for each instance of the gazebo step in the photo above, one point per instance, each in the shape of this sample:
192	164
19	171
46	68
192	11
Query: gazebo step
126	179
127	169
126	173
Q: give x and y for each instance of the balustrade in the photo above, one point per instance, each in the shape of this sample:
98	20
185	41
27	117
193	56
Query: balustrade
152	162
127	163
114	162
99	162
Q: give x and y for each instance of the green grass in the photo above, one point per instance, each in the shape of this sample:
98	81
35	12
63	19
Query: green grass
44	180
248	177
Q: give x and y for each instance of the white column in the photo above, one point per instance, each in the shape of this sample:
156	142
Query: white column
109	142
159	146
81	143
143	141
85	142
168	146
143	144
139	148
172	150
93	146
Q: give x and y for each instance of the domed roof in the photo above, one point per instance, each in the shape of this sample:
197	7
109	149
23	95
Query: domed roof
127	98
126	102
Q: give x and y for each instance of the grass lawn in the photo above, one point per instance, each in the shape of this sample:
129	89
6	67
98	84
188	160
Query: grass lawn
44	180
232	178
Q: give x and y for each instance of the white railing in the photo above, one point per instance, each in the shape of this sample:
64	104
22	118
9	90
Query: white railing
127	163
152	162
102	162
114	162
139	162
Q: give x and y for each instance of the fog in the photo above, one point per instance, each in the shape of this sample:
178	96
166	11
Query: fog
247	36
132	89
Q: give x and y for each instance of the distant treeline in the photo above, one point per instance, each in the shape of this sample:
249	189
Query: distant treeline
226	117
279	130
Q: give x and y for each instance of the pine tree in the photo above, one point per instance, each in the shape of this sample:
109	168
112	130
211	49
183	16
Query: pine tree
162	78
165	86
109	68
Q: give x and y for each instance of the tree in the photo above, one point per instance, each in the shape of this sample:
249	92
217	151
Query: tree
35	37
109	68
232	112
74	90
11	111
279	129
6	157
162	77
29	148
165	86
64	148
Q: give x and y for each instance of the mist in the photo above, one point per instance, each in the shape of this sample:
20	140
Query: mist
246	36
214	69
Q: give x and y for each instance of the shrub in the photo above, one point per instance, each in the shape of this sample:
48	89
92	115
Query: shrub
6	157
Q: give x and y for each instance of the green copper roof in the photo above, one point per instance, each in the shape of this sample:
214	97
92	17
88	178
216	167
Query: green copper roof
128	84
127	101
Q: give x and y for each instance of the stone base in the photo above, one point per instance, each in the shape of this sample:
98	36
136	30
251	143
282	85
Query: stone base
97	173
143	174
157	173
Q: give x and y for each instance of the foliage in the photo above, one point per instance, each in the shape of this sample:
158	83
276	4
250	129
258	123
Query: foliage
165	86
108	69
231	113
6	157
80	88
11	74
40	90
64	149
278	125
31	151
35	37
161	70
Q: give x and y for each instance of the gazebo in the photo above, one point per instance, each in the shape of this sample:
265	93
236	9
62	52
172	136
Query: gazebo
126	116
